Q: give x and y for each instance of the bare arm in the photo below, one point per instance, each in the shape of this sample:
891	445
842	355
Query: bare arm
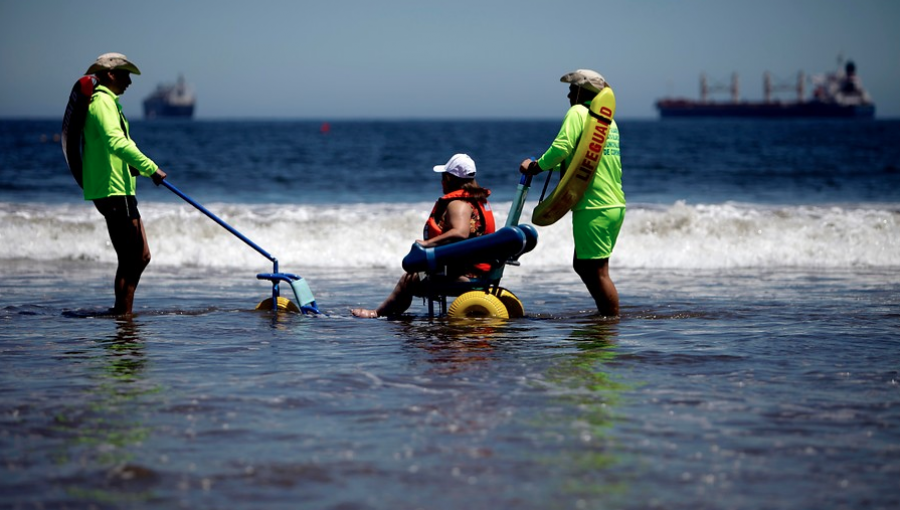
459	212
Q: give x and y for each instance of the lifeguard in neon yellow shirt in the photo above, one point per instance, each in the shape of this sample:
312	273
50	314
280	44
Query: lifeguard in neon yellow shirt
111	161
598	216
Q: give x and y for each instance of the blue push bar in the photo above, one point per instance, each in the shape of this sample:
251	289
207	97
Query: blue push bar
302	293
218	220
518	202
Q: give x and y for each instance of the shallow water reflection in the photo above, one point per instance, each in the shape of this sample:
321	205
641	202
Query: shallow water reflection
704	399
98	429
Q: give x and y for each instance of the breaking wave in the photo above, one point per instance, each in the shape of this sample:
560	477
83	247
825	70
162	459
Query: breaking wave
359	236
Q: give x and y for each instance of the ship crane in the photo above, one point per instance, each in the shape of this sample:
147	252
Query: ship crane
780	86
733	88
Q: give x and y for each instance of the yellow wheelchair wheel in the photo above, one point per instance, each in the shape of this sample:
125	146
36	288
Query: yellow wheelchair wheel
514	306
477	304
284	304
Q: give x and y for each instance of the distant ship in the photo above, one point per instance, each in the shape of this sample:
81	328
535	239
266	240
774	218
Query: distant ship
838	95
170	101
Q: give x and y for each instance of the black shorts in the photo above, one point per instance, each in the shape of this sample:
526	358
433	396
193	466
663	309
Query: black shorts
120	207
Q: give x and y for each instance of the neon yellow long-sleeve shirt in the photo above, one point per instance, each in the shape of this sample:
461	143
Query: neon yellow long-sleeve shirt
109	151
605	190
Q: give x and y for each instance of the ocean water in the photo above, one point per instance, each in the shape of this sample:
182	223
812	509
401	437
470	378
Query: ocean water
756	363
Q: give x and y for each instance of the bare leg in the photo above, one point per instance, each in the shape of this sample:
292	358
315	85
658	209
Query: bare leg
595	275
396	303
130	241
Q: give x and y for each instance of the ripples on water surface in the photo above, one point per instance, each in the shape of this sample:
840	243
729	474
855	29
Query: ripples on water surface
764	389
755	365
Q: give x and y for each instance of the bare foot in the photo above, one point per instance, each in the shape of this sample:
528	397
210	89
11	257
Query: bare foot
365	314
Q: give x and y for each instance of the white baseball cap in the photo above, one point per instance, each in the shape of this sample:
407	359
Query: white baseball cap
460	165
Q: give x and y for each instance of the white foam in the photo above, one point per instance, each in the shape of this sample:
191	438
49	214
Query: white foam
360	236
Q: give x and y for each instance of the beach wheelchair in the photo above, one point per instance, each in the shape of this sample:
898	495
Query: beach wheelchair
479	297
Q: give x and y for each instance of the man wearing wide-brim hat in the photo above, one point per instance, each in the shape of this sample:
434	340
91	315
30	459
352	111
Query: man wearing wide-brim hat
598	217
111	161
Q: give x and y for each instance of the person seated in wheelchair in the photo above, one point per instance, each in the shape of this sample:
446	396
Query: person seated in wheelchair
462	212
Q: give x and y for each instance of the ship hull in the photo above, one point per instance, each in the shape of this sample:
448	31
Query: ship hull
161	109
684	108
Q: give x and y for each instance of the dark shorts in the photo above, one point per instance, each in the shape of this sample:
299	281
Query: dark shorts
120	207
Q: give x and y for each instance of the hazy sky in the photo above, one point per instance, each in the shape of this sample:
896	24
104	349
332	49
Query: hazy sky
399	59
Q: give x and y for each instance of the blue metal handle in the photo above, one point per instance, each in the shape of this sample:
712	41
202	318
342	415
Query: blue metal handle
518	203
218	220
302	293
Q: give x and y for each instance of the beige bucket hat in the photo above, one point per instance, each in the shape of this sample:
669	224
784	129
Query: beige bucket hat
586	79
112	61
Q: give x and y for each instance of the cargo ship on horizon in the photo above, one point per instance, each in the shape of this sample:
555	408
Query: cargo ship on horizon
170	100
835	95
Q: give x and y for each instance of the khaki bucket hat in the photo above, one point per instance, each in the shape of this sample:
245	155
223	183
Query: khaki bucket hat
111	62
586	79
